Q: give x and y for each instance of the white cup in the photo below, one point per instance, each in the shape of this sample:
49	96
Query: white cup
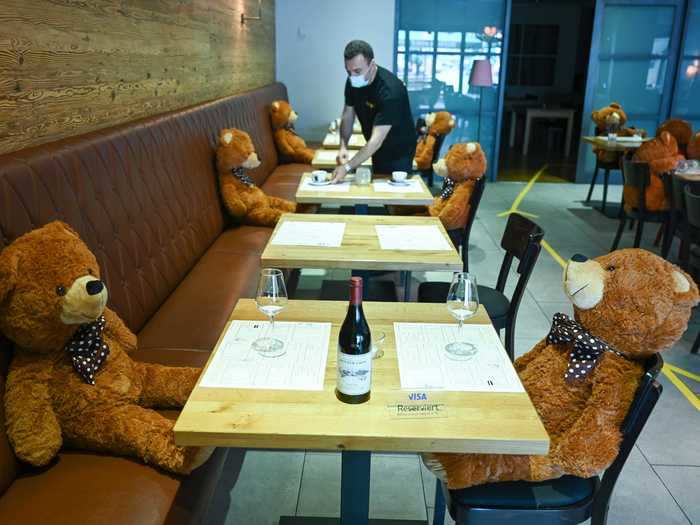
398	176
319	176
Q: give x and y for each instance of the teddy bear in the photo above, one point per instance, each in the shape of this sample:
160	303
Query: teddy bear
245	202
437	124
661	153
290	146
71	381
582	377
679	129
612	119
694	147
464	164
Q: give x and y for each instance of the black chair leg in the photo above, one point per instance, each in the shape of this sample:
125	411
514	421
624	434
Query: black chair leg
696	345
618	235
667	239
430	178
590	189
599	516
439	510
638	235
510	341
606	176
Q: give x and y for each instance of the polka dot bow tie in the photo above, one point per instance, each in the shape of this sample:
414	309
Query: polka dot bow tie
239	173
587	347
448	187
88	350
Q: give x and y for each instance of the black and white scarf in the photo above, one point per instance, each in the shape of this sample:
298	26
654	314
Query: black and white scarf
239	173
587	347
88	350
448	187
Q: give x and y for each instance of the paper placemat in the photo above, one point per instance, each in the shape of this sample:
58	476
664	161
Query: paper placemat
302	367
424	364
300	233
425	238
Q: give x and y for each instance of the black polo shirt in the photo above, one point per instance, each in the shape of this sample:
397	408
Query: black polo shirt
385	102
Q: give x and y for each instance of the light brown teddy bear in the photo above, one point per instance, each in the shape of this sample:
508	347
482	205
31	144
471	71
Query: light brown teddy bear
612	119
71	381
661	153
438	124
680	130
290	146
245	202
631	304
694	147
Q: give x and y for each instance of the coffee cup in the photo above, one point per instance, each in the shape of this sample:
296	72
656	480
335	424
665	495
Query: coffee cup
319	176
399	176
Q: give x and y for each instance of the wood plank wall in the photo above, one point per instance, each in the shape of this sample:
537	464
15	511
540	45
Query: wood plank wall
71	66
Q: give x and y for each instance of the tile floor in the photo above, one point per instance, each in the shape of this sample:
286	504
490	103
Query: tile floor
659	484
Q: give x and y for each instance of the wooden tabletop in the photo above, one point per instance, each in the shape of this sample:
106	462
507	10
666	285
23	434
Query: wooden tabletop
364	194
469	422
690	176
332	140
360	249
619	145
325	158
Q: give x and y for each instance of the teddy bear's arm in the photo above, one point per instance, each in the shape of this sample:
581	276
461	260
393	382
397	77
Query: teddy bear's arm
282	204
32	426
264	216
591	444
232	199
116	329
455	210
284	144
522	361
424	152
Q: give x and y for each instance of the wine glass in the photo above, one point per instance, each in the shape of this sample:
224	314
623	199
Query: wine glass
271	298
462	303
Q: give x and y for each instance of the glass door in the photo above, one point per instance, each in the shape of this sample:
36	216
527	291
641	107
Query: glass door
686	95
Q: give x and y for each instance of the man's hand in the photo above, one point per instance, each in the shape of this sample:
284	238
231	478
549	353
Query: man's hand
339	174
343	156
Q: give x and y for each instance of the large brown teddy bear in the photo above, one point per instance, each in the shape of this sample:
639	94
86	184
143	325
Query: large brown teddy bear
464	164
631	304
71	381
680	130
661	153
245	202
612	119
438	124
290	146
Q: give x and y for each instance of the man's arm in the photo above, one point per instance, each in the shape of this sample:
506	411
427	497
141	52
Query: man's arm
347	120
379	133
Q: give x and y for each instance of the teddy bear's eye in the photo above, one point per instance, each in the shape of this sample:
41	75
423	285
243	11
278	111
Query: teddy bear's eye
60	290
610	268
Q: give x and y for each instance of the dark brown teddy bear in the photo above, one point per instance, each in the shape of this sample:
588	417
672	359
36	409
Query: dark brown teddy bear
290	146
71	381
631	304
612	119
438	124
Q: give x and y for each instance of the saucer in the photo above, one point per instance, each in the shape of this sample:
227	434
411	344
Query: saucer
319	183
399	183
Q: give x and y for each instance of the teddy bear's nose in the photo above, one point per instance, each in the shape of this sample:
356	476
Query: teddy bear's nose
94	287
578	258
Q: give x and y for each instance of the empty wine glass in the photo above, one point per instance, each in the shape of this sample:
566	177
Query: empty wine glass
271	298
462	303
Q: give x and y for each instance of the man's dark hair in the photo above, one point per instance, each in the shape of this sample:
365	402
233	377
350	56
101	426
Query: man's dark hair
358	47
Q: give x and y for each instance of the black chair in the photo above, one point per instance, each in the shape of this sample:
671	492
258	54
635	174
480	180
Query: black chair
460	237
636	174
607	167
521	240
692	205
566	500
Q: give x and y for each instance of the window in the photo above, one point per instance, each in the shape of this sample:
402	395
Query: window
532	55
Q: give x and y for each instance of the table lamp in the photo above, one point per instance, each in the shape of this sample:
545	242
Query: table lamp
480	77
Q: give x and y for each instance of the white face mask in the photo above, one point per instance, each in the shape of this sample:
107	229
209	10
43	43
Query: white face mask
358	81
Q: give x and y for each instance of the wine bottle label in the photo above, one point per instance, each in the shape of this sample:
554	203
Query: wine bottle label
354	373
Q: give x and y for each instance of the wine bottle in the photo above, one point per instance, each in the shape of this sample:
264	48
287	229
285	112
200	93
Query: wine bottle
354	351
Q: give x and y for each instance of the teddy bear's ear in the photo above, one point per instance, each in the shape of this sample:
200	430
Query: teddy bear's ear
452	121
227	137
665	137
275	106
8	273
62	226
615	105
471	147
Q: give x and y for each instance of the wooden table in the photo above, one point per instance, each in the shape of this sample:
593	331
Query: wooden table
688	176
325	159
332	140
533	113
492	423
364	195
619	145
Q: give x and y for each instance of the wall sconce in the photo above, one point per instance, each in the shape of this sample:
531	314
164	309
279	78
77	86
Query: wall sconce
259	17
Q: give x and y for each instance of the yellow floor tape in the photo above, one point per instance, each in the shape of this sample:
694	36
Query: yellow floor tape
668	370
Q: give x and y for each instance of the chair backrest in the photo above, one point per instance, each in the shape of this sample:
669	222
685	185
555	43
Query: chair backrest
439	140
645	399
461	237
521	240
692	206
677	194
636	175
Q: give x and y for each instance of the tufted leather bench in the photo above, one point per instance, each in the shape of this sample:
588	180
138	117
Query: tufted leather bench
144	197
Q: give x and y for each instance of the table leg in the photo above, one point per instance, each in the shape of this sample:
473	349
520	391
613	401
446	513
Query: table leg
361	209
406	282
513	123
528	122
569	133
